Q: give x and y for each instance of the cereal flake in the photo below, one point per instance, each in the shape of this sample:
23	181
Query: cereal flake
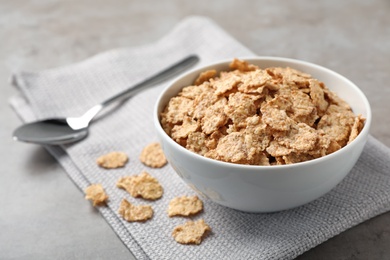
214	116
196	142
275	113
96	194
242	65
356	128
240	106
225	83
143	185
191	232
205	76
177	109
112	160
185	206
254	81
132	213
318	96
302	109
337	123
153	156
182	131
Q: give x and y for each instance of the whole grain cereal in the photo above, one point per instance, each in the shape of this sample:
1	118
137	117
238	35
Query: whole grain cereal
143	185
153	156
191	232
255	116
96	194
112	160
185	206
131	213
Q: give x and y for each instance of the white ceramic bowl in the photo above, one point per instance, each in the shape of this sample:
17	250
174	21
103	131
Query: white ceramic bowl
266	188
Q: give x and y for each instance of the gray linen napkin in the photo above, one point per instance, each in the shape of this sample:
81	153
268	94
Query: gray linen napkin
70	90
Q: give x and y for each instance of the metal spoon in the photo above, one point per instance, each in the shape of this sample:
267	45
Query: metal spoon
58	131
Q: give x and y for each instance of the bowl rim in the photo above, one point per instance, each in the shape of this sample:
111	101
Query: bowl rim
360	138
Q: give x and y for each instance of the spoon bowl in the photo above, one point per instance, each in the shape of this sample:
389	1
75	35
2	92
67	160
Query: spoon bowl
51	131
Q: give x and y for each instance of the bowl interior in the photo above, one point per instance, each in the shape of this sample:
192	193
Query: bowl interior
343	87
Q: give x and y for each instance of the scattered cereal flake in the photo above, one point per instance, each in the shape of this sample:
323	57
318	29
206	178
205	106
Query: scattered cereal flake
356	128
242	65
182	131
112	160
177	109
191	232
143	185
185	206
96	194
133	213
153	156
205	76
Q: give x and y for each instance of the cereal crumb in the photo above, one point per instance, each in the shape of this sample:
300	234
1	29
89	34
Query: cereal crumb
143	185
96	194
185	206
153	156
112	160
191	232
132	213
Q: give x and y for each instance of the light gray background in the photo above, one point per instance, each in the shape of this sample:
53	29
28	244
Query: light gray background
42	213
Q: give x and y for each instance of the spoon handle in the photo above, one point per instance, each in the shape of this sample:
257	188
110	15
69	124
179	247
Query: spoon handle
159	77
77	123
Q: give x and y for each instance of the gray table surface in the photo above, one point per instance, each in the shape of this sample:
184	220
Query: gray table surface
43	215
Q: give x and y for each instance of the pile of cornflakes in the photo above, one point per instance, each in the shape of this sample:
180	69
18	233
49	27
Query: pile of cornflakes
271	116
